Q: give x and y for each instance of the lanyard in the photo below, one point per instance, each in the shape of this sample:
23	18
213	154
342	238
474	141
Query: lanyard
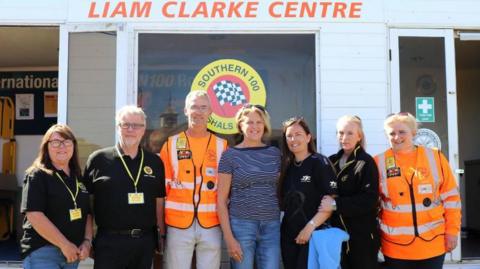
135	181
74	196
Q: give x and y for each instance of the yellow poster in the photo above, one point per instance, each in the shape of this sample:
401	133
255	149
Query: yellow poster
50	101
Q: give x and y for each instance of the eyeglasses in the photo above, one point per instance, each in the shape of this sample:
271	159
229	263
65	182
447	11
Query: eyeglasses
254	106
127	125
58	143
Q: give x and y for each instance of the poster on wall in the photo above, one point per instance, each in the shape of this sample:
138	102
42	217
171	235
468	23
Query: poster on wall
24	106
50	101
34	94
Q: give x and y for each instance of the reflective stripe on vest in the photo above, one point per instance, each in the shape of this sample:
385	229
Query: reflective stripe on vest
188	207
410	230
419	207
174	157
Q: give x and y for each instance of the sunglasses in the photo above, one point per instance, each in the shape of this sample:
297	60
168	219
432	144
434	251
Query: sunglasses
247	106
291	120
398	114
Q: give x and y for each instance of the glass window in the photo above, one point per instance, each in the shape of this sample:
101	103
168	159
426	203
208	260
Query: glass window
169	63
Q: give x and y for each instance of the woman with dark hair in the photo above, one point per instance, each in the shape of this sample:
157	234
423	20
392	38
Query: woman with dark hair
356	206
57	224
306	177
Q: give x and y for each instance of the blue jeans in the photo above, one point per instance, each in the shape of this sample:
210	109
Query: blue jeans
47	257
260	241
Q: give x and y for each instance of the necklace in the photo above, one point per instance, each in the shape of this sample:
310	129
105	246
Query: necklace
298	164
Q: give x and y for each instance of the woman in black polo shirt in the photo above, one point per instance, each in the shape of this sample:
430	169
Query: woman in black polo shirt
57	225
306	177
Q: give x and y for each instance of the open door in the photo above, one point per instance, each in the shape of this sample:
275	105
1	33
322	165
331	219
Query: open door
423	83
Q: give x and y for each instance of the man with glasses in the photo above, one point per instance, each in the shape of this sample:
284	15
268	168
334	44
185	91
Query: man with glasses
191	159
128	186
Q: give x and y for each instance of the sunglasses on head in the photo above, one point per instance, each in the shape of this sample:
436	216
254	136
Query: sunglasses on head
254	106
398	114
292	119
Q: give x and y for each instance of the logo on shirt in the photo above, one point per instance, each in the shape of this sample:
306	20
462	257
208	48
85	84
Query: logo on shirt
333	184
148	170
82	187
305	179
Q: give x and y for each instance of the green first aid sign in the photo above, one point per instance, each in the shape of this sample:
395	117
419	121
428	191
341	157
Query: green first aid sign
425	109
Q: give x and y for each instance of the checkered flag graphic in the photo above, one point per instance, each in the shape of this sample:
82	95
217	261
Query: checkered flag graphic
229	92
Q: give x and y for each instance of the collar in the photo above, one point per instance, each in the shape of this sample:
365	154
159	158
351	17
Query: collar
123	154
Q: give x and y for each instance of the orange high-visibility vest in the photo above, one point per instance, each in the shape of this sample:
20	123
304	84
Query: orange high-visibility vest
189	195
417	212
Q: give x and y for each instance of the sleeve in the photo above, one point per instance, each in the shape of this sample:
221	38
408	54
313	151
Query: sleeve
34	194
89	174
450	198
366	198
161	178
225	165
325	176
167	166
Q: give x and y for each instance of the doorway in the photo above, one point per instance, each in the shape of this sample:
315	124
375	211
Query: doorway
467	54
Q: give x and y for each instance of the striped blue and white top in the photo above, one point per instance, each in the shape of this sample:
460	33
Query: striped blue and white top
255	173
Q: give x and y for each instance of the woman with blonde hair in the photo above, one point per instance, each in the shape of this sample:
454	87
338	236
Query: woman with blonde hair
247	202
356	206
420	204
58	224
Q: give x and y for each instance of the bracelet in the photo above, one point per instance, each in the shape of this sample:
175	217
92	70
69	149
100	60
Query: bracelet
311	222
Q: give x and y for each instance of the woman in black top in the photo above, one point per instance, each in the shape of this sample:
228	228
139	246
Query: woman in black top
357	200
58	224
306	177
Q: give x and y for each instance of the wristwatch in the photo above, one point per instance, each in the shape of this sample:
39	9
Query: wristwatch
334	205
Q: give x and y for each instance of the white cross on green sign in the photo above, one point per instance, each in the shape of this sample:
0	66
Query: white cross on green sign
425	109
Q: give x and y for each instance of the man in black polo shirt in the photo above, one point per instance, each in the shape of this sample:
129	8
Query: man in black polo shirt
128	185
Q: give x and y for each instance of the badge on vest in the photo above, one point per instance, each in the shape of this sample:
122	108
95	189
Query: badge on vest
184	154
390	162
148	170
393	172
75	214
425	188
210	185
181	143
135	198
210	171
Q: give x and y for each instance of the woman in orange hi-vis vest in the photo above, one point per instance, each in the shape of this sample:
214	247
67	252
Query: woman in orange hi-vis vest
420	203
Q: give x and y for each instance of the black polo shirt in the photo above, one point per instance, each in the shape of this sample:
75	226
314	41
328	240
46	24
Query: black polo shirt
303	188
108	181
43	192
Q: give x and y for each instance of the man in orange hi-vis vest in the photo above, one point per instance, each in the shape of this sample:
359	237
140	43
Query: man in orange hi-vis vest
191	159
420	203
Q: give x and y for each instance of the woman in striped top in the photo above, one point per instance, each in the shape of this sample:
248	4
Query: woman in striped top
247	202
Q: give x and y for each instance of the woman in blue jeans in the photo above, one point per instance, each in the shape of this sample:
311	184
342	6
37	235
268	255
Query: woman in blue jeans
247	202
57	230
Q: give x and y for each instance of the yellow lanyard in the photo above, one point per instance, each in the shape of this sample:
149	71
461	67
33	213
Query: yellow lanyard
135	181
74	197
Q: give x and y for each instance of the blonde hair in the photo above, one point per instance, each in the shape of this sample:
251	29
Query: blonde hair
402	117
353	119
260	110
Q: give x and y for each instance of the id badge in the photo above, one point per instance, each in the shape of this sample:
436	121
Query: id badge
425	189
135	198
75	214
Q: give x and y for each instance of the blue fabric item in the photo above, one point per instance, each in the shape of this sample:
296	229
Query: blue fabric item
260	242
47	257
325	248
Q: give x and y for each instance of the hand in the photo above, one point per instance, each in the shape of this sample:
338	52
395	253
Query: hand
70	251
234	250
304	236
450	242
85	248
326	204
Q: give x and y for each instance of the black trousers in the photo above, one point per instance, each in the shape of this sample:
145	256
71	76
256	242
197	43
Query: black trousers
113	251
432	263
362	253
294	256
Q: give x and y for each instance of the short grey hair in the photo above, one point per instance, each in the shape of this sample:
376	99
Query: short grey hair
195	94
130	110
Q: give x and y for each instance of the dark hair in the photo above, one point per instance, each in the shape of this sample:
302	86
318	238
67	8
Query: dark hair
43	161
287	156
